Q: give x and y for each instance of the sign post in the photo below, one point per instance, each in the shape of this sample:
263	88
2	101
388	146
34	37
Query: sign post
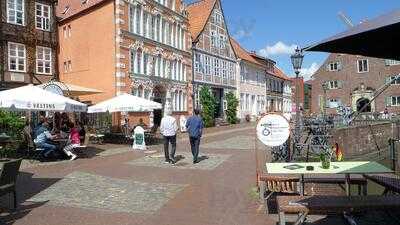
272	130
138	139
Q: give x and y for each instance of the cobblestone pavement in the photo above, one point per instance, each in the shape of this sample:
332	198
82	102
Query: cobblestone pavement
235	143
118	186
116	195
208	161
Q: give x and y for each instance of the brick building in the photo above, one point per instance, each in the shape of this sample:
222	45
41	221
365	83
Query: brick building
307	97
352	80
140	47
28	42
214	60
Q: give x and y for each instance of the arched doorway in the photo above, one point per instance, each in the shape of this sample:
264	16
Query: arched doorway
361	102
159	93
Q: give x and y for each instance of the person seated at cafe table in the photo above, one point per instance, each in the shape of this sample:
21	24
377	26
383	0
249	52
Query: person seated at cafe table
39	128
43	139
73	142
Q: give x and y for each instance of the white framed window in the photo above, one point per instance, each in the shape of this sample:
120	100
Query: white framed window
333	84
145	23
132	60
16	57
217	64
232	71
145	63
218	17
224	69
222	41
242	73
362	66
69	65
214	39
395	101
43	16
16	12
334	66
43	60
197	62
207	64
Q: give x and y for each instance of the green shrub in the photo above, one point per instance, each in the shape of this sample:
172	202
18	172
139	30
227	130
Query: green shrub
11	123
209	105
232	104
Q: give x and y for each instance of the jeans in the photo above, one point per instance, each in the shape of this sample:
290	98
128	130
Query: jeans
194	145
48	148
167	140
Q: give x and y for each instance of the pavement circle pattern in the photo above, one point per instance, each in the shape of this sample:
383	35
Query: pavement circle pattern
90	191
208	161
241	142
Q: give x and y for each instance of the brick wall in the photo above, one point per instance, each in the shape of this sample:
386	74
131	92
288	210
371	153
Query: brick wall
360	141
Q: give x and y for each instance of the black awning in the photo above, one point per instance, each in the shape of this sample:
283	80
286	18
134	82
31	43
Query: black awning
379	37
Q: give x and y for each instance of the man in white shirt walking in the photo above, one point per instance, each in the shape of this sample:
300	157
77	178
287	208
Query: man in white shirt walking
168	129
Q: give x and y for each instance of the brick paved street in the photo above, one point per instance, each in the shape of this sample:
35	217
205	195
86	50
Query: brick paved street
119	186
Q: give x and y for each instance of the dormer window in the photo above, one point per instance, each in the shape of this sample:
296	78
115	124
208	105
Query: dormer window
65	10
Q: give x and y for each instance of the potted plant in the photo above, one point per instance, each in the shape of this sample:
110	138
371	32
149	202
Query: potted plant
326	157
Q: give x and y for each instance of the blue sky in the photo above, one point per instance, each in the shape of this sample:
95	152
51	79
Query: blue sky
274	27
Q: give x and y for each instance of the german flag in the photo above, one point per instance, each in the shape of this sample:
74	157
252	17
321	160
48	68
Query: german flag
339	153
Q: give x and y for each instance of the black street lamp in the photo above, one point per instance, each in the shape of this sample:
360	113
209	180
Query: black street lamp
297	61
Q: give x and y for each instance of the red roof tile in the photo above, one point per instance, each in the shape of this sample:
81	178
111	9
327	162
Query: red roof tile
68	8
198	13
279	73
242	53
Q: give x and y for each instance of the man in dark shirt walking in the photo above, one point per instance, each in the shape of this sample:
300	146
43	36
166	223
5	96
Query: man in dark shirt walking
194	127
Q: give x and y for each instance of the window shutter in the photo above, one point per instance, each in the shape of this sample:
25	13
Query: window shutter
327	67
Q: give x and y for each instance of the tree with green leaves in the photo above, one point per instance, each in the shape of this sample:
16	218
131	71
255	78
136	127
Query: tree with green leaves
232	104
209	105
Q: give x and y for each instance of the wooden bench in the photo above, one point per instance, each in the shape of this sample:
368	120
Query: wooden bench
305	205
360	181
390	182
270	185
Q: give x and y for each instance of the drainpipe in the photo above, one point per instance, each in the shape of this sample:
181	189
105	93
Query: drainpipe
194	86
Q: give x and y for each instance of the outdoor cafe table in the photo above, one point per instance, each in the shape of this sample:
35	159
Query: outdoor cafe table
346	168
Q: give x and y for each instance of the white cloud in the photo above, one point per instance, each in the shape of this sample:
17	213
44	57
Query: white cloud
279	48
240	34
308	72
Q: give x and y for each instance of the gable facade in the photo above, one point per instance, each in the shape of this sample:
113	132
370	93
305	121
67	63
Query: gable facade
351	80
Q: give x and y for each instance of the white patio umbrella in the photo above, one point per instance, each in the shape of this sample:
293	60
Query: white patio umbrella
125	103
32	98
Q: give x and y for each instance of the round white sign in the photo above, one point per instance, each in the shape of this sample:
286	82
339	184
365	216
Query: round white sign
273	130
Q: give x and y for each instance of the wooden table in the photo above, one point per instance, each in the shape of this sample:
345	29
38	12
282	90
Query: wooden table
346	168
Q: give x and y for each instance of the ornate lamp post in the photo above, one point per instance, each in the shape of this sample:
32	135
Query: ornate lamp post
297	61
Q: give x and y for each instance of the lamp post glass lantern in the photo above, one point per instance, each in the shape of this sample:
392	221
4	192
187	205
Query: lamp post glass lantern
297	61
